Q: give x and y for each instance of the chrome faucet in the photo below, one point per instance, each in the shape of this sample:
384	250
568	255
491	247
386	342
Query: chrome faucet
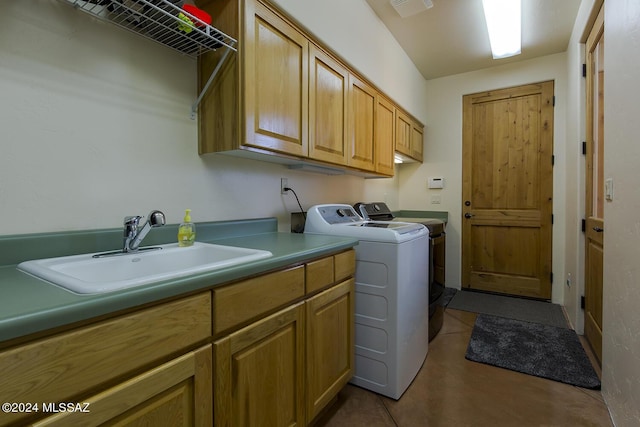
134	233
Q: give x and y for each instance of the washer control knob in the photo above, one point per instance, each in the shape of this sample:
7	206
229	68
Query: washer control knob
341	212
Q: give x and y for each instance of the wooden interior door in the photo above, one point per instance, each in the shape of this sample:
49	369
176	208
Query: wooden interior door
507	190
594	230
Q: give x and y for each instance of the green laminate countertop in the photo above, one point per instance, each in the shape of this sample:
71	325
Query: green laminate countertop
29	305
444	216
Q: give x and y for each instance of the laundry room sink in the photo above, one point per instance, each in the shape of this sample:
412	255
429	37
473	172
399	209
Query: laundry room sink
91	274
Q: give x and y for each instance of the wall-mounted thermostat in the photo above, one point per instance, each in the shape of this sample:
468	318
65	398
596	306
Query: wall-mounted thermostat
436	182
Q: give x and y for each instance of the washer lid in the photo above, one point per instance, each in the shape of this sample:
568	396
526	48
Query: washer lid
342	220
379	211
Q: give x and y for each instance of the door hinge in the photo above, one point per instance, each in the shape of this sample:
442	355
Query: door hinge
582	303
584	70
552	219
553	160
551	277
554	100
584	225
584	148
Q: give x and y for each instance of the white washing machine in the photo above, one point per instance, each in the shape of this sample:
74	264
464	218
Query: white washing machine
392	295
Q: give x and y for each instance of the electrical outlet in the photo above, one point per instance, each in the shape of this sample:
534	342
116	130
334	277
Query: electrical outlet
284	183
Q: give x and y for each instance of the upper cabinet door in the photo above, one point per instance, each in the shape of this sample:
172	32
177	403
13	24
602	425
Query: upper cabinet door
385	135
276	79
403	133
328	88
362	105
417	141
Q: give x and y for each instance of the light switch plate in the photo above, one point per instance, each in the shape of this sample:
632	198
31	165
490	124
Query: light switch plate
608	189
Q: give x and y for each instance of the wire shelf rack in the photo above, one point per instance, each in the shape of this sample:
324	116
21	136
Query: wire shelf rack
163	21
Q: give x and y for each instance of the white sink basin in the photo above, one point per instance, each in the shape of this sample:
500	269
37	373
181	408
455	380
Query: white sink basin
85	274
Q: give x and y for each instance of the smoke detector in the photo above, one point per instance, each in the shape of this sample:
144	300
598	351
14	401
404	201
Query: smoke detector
407	8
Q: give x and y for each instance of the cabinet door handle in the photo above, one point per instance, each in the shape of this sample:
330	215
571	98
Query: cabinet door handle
598	229
468	215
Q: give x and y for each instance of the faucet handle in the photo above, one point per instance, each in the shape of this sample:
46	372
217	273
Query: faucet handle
132	220
156	219
131	227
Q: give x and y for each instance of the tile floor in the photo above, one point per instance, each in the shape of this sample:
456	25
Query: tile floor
452	391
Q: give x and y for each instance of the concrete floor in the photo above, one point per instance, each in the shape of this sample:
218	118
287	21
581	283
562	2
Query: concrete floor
454	392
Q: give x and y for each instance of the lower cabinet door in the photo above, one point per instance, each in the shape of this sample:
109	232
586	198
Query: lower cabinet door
259	373
330	344
177	393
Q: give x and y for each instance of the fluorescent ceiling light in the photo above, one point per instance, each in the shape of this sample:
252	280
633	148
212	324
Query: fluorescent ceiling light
504	25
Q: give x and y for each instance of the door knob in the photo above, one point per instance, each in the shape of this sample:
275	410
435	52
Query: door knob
598	229
468	215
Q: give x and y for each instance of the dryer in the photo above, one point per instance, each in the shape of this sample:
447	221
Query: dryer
379	211
392	295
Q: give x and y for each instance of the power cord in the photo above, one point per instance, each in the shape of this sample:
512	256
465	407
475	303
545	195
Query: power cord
298	200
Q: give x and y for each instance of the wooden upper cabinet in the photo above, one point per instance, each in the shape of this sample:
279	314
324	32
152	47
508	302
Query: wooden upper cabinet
417	140
275	82
362	104
409	136
283	95
403	133
384	135
328	86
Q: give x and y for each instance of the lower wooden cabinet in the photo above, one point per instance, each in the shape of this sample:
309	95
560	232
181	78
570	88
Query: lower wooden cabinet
277	360
259	373
177	393
72	366
330	344
284	369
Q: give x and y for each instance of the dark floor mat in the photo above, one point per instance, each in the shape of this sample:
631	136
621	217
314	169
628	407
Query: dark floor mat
533	349
510	307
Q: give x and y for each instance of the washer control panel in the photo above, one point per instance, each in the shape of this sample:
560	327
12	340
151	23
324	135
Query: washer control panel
339	214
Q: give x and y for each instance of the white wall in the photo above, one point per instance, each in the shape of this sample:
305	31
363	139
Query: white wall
96	124
575	166
443	151
621	323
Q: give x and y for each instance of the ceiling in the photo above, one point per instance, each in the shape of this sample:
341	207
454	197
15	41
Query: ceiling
451	37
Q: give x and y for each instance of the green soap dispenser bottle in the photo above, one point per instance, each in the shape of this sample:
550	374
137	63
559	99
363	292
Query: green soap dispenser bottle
186	231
